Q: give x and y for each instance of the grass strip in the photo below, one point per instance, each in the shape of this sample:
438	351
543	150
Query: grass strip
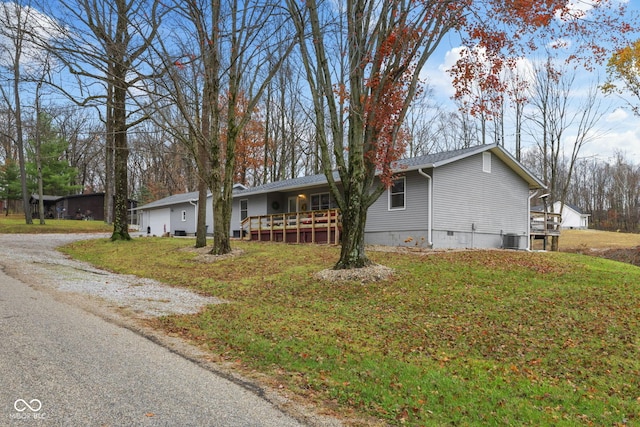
454	338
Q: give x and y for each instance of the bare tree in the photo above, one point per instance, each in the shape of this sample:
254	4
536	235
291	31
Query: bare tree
16	30
106	43
38	141
229	90
85	136
561	125
422	125
377	46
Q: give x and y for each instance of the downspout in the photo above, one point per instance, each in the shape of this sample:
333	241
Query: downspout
534	194
430	216
194	203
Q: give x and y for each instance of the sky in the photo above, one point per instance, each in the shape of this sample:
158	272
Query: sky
618	130
619	127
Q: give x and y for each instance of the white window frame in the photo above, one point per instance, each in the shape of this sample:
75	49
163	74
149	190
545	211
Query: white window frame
403	192
184	216
244	211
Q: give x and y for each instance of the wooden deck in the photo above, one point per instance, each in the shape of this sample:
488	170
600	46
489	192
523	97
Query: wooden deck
296	227
544	225
325	227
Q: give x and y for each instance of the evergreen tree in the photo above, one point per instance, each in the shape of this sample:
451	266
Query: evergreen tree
58	177
10	188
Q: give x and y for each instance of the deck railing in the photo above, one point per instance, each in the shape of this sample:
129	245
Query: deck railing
322	226
545	223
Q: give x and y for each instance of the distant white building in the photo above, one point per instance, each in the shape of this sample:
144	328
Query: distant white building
572	217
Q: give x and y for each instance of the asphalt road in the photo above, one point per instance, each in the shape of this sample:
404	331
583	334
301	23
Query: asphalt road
73	368
61	365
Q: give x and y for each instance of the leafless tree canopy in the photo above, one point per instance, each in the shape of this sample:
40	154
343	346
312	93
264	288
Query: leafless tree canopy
158	98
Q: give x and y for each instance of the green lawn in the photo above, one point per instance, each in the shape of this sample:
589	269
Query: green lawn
455	338
16	224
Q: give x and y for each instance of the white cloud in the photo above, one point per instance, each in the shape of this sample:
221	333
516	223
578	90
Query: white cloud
580	8
35	27
625	141
618	115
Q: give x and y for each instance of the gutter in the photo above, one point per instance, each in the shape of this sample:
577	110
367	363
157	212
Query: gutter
194	203
534	194
430	216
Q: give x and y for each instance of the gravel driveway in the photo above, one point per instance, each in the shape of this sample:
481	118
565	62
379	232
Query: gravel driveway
33	259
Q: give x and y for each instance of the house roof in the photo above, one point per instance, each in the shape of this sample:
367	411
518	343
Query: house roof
427	162
540	208
440	159
181	198
422	162
76	196
171	200
288	185
576	209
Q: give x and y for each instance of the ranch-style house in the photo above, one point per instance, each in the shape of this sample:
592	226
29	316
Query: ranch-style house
477	197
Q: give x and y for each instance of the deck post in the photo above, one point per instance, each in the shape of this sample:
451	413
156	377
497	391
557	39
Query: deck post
270	228
259	228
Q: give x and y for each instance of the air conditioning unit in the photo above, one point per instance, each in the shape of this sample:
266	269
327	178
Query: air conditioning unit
511	241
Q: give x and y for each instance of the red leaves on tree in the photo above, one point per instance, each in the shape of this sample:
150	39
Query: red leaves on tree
500	30
384	102
249	148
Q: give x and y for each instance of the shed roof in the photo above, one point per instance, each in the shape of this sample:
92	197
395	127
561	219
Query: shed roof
45	198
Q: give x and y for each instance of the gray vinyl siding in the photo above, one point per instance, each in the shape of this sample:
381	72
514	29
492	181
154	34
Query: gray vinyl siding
176	218
406	226
256	205
466	199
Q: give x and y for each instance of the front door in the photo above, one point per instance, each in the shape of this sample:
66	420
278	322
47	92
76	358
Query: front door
293	204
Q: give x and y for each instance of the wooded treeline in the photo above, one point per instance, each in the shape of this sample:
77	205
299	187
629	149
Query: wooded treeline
58	104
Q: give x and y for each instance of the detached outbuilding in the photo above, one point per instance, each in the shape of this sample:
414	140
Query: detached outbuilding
76	206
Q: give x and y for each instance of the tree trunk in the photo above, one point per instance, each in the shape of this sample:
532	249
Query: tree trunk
108	156
19	137
121	157
201	227
40	191
38	145
221	224
352	253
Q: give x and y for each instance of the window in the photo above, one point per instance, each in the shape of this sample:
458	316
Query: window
322	201
486	162
244	209
184	216
397	194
